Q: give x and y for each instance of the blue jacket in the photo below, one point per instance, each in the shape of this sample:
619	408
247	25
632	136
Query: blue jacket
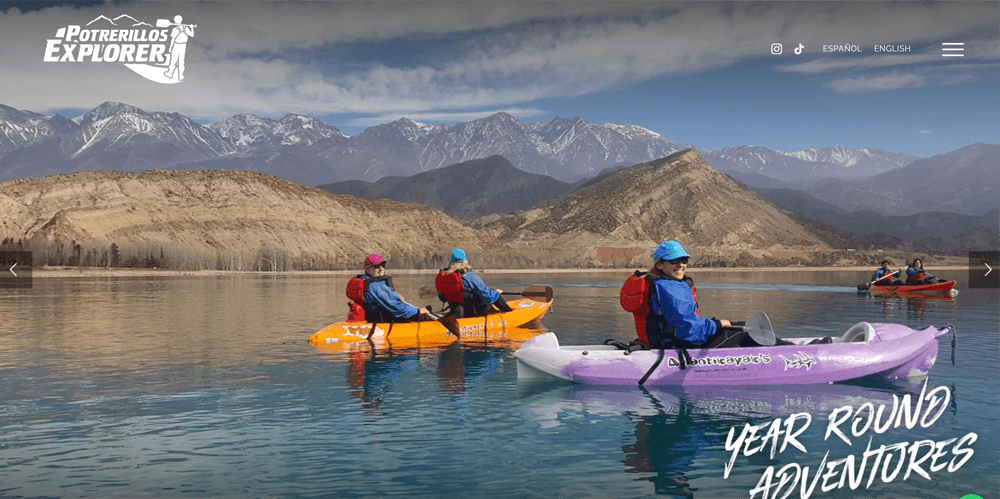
675	303
388	299
880	272
912	271
475	284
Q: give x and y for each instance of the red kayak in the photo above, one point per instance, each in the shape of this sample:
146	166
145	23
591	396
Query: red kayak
940	287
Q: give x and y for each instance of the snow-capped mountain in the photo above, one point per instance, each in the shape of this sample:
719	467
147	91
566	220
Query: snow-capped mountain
567	149
248	134
121	130
117	136
830	162
23	128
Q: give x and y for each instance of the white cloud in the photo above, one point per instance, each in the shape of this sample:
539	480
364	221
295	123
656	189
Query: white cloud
263	57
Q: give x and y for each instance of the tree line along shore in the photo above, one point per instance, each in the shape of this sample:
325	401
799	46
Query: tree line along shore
57	255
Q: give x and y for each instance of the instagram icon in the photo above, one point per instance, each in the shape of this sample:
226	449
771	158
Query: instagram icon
776	49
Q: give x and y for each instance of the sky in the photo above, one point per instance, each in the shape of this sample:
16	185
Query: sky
698	73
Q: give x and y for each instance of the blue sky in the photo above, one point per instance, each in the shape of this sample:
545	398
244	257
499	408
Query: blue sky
699	73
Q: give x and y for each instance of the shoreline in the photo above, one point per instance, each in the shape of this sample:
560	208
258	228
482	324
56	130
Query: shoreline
56	272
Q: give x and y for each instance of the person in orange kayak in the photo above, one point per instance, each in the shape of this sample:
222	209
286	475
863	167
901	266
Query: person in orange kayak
915	274
466	293
376	294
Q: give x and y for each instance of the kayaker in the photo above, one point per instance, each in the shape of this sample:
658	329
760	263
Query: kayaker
915	274
382	303
673	320
883	276
466	293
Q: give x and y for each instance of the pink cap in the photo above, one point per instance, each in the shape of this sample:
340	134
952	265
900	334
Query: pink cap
373	259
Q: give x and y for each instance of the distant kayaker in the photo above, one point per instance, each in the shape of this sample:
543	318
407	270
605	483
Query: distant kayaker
673	320
381	301
466	293
915	274
883	276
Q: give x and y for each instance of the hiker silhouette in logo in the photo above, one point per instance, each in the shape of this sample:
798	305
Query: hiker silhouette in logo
178	48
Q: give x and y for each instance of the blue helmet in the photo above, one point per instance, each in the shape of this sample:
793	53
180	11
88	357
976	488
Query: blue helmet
668	250
457	255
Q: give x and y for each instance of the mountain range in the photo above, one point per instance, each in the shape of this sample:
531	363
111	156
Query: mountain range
466	190
963	181
246	220
117	136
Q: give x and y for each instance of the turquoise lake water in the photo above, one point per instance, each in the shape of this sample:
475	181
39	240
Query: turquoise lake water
183	387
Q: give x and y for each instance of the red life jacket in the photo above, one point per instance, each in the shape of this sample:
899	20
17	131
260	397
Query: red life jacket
450	285
916	278
355	291
635	297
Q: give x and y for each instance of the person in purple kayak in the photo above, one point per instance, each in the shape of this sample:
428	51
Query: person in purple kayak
673	320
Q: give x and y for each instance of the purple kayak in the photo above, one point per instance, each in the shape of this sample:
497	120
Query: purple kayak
865	351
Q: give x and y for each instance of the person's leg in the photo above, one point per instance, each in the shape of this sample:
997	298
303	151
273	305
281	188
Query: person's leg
727	338
502	305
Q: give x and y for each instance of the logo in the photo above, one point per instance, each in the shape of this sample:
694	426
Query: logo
729	360
801	360
776	48
798	50
155	52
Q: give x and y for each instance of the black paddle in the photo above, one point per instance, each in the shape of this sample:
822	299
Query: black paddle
449	323
534	292
928	275
866	286
544	292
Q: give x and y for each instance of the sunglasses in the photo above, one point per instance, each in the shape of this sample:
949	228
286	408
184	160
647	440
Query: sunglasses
675	261
380	265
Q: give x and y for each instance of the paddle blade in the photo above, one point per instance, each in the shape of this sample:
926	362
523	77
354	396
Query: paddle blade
451	325
536	292
162	23
759	328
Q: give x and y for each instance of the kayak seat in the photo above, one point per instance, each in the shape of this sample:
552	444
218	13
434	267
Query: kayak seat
861	332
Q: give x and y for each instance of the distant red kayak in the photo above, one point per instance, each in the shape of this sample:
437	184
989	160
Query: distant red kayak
941	287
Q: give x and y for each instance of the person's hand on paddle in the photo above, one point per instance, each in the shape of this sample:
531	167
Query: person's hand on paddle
725	323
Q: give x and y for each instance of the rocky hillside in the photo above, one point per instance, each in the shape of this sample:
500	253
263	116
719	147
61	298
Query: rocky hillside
678	197
222	219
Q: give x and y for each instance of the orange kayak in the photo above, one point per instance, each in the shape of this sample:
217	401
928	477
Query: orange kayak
351	336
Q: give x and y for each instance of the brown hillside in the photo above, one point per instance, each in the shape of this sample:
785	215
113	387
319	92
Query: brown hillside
241	217
677	197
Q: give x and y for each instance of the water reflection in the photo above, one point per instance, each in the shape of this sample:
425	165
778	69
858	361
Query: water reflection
678	436
372	372
915	304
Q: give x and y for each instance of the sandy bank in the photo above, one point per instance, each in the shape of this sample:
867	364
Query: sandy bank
52	272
